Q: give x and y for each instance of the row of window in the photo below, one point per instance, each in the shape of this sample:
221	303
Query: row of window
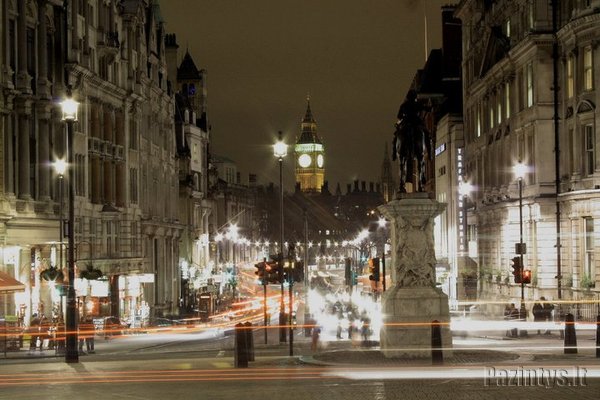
106	238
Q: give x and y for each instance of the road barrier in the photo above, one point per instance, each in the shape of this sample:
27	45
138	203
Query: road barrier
241	347
598	336
437	355
249	340
570	335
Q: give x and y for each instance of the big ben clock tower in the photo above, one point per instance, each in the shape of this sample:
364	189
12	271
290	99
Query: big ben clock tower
309	155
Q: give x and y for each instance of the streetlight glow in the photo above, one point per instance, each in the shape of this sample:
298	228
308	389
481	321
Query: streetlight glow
280	148
60	166
465	188
69	109
520	170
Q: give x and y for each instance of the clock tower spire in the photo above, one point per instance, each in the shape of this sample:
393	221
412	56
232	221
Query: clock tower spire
309	155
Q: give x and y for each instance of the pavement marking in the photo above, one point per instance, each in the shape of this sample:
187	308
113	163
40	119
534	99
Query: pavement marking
221	364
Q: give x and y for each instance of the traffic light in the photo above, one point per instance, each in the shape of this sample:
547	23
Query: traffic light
374	269
272	272
298	271
260	271
517	269
354	278
527	276
348	271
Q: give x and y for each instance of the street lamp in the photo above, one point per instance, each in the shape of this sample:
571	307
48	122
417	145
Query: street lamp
382	222
280	151
69	115
464	191
520	170
60	167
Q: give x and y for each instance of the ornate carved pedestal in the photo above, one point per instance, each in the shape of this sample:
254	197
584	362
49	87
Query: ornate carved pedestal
414	301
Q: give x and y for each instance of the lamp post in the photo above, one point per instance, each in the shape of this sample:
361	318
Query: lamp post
69	115
382	224
464	191
60	167
280	151
520	170
291	262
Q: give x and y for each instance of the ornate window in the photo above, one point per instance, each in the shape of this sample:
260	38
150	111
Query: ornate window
570	78
588	132
588	68
529	81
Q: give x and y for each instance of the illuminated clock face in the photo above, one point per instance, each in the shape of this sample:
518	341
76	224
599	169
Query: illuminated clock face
304	160
320	161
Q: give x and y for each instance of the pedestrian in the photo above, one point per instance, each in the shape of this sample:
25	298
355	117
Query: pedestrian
34	332
366	330
89	339
80	336
511	313
316	332
538	312
60	336
548	308
45	333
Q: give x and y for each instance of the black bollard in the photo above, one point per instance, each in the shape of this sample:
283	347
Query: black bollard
241	347
249	340
598	336
570	335
437	355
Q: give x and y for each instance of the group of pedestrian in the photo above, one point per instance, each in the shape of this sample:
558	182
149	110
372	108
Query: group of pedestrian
511	313
87	331
46	334
542	311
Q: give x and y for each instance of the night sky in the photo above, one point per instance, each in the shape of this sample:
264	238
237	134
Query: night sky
356	58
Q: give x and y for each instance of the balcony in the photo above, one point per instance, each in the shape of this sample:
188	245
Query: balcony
108	45
118	152
95	145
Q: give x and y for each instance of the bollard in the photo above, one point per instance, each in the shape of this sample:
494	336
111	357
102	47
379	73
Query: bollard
437	356
570	335
307	323
249	340
598	336
241	347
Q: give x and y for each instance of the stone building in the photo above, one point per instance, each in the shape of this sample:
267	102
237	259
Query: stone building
508	118
192	139
126	177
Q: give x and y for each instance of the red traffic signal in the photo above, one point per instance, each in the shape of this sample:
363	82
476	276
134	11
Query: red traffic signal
272	272
260	271
527	276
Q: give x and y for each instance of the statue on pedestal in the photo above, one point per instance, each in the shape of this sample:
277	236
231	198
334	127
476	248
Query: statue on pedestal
411	142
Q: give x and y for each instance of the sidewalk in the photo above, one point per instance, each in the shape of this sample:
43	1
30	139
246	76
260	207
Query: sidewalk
472	350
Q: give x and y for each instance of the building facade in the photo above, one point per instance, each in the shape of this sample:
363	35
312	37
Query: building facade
508	118
125	175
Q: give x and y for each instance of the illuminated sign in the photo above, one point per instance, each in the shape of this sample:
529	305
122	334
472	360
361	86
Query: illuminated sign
440	149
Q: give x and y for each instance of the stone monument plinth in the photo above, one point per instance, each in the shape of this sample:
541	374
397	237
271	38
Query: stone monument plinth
414	301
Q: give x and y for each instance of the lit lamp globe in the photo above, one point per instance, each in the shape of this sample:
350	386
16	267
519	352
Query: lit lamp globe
69	109
60	166
280	149
520	170
465	188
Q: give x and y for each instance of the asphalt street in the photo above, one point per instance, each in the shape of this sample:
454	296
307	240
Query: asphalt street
183	365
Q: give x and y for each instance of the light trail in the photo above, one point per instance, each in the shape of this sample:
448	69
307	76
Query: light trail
414	372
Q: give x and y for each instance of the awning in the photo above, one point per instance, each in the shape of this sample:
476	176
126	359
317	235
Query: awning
10	284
